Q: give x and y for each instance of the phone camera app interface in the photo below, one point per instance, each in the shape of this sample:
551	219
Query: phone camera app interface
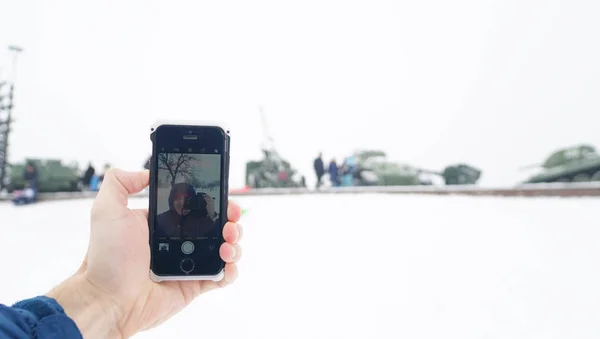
188	204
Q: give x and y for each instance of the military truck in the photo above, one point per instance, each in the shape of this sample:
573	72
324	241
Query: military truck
53	176
580	163
272	171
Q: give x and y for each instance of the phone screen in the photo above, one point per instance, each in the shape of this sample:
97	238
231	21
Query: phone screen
188	208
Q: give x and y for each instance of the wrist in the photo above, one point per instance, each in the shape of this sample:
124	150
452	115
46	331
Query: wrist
95	315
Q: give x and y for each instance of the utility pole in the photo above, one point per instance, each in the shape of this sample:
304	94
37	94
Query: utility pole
4	125
6	107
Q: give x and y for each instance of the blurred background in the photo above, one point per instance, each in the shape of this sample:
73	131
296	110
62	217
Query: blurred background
496	84
400	93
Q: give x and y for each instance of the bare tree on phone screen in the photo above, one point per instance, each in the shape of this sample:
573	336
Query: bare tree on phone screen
177	165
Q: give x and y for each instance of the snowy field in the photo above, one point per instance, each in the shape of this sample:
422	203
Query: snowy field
363	266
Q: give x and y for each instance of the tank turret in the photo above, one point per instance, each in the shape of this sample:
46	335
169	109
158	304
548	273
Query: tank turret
461	174
579	163
373	168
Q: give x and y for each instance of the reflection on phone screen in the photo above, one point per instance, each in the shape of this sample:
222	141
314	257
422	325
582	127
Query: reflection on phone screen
188	196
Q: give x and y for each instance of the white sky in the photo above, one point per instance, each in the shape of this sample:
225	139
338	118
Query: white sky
497	84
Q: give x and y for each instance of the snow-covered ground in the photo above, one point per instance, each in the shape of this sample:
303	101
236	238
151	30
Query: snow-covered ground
363	266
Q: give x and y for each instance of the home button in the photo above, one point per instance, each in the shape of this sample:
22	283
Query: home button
187	265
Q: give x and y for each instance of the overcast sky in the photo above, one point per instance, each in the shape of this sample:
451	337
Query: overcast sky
497	84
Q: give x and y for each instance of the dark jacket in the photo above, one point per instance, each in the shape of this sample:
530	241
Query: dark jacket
89	173
194	224
319	167
171	224
333	171
39	317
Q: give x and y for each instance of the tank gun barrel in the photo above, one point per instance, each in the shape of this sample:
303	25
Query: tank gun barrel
426	171
528	167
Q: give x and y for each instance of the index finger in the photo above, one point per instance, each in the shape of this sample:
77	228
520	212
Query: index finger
234	212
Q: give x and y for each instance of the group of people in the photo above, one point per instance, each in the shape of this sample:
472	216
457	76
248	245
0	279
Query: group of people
339	175
91	180
29	194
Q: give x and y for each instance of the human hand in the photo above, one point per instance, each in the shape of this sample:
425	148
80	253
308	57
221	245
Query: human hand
112	295
210	206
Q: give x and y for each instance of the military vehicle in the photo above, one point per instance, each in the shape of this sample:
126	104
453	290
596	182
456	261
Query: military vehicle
461	174
382	172
272	171
373	168
53	176
580	163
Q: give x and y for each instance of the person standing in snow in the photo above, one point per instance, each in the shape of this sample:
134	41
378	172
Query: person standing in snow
333	173
87	177
319	169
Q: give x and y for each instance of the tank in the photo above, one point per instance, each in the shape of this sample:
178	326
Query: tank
373	168
461	174
386	173
272	171
580	163
53	176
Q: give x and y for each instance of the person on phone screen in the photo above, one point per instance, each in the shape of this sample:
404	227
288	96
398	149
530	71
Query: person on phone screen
189	214
111	295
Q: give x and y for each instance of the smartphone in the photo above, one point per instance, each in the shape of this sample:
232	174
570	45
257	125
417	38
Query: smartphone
189	174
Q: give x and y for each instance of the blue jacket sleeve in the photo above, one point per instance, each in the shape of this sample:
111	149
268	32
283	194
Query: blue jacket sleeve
39	317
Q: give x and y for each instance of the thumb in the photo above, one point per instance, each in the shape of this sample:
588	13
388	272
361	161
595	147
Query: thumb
118	185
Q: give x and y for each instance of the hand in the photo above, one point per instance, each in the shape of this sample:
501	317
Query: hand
210	206
111	295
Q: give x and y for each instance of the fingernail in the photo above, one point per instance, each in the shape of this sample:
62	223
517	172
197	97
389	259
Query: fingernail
233	252
240	231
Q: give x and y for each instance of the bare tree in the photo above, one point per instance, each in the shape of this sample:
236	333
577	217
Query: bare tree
176	165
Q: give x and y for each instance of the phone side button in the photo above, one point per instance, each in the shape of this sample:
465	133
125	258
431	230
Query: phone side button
187	265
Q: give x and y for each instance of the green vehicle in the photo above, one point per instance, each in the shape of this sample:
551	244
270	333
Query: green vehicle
272	172
53	176
461	174
579	163
373	168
